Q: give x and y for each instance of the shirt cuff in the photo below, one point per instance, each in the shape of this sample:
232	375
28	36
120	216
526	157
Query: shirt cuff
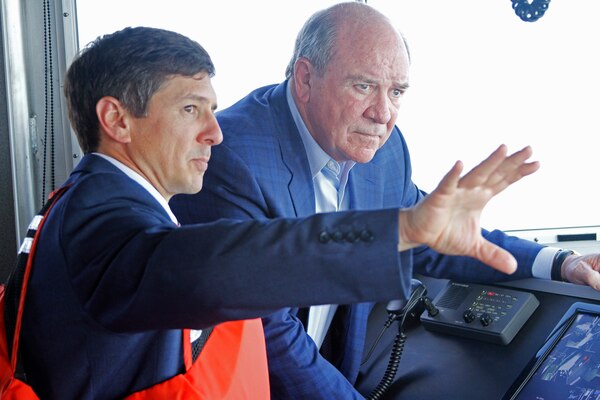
542	265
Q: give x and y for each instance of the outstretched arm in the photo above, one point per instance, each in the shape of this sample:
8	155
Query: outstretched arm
447	220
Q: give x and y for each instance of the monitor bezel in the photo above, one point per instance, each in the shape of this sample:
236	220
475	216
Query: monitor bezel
549	344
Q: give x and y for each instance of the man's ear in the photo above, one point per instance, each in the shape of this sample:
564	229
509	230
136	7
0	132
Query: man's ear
302	76
114	119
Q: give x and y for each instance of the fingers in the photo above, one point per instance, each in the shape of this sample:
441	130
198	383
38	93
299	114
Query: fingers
451	179
499	171
481	172
512	169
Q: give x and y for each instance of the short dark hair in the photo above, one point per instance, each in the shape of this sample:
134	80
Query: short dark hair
129	65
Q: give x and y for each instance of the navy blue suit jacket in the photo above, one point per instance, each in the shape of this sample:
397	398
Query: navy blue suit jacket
261	171
114	281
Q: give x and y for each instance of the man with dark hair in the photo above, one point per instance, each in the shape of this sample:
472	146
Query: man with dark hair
116	285
325	140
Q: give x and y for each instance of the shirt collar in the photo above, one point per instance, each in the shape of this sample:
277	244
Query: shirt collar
143	182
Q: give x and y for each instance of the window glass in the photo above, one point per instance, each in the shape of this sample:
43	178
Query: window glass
480	76
250	42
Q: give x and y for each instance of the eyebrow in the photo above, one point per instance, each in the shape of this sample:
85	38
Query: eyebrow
404	86
198	98
362	78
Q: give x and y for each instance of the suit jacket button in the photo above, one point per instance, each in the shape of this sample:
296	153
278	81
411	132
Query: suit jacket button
352	237
366	236
324	237
338	236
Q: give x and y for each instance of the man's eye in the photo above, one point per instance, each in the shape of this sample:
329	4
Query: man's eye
190	108
397	92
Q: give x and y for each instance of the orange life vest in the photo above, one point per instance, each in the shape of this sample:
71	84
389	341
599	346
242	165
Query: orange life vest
11	388
231	366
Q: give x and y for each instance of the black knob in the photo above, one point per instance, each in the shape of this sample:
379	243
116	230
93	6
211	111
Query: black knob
469	316
485	319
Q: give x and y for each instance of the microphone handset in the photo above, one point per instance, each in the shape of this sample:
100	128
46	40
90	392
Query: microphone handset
401	311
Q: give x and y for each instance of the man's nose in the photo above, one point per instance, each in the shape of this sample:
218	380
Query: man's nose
211	134
380	110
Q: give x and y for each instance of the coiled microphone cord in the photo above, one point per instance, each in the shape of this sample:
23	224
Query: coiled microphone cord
417	302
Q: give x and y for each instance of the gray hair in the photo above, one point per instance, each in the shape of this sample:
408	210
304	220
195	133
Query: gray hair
316	39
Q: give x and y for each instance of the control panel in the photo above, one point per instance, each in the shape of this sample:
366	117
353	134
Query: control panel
480	312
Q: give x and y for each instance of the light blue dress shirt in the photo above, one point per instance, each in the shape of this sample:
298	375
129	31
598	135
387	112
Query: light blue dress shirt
330	180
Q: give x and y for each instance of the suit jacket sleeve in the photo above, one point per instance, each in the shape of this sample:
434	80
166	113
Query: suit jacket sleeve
134	270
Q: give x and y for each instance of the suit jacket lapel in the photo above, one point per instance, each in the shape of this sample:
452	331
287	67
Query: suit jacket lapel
300	186
366	187
92	163
365	191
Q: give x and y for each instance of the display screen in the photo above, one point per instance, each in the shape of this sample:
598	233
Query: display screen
568	365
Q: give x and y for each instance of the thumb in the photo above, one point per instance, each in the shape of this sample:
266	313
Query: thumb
496	257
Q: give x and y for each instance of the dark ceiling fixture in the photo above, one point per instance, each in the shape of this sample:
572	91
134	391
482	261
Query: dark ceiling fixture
530	10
